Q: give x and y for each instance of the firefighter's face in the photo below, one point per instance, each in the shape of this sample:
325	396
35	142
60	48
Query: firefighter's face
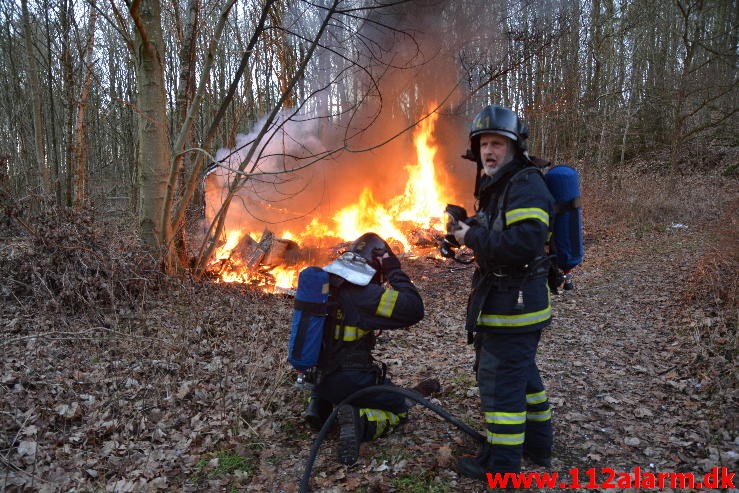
495	151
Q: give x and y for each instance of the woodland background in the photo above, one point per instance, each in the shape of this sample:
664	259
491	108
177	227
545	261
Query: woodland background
122	105
111	112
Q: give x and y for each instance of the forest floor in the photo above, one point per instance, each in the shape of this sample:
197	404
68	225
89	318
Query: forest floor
188	388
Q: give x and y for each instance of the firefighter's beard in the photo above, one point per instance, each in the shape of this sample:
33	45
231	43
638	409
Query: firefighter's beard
491	171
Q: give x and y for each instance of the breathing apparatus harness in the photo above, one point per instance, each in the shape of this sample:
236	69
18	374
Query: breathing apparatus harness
497	276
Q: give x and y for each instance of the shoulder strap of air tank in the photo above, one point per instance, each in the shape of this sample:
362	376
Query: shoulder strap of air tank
503	198
332	321
330	345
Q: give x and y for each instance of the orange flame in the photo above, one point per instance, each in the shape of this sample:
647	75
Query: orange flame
420	206
232	239
421	202
285	278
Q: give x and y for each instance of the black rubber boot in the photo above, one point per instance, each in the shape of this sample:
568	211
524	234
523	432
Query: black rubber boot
317	412
351	431
540	457
475	467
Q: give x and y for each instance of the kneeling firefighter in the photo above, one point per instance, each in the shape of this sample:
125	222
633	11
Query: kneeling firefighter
346	363
509	303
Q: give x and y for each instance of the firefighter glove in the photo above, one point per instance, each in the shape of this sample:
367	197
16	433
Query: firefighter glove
390	263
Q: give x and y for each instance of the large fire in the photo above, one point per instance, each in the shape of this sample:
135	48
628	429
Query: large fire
419	207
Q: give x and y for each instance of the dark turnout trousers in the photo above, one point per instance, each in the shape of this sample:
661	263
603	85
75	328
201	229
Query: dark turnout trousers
517	412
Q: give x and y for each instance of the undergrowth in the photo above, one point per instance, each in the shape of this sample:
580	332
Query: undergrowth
69	261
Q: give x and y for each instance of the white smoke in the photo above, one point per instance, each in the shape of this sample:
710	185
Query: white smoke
272	180
411	61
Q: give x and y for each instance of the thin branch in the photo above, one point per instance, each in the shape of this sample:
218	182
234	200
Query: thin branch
63	336
187	125
118	26
134	10
233	187
179	213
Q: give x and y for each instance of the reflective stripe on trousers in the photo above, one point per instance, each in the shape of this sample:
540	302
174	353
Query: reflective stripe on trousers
379	422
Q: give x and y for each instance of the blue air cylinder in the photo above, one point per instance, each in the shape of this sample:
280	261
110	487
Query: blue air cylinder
564	184
309	315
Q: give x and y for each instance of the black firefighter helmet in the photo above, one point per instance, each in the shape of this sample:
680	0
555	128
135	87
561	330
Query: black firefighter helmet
370	246
494	119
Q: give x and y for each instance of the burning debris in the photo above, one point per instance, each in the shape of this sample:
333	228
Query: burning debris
268	262
410	221
273	263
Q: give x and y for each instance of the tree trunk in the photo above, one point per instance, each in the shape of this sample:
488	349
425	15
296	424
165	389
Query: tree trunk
624	140
55	167
80	146
153	135
35	90
184	100
69	84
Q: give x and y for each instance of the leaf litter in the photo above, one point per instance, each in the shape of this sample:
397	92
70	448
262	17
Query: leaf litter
157	385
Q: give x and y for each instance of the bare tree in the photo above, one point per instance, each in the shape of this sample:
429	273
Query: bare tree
154	151
78	169
704	53
135	120
35	89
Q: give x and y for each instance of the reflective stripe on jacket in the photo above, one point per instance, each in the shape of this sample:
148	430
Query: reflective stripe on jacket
374	307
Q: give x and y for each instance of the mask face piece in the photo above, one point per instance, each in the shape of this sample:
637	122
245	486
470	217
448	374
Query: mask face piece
352	267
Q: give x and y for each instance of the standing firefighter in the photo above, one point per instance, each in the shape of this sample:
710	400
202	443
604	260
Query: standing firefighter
509	304
346	363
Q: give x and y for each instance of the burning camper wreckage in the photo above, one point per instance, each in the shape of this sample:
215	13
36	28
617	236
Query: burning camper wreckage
408	213
271	262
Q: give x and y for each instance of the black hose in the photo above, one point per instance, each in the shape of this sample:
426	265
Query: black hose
411	394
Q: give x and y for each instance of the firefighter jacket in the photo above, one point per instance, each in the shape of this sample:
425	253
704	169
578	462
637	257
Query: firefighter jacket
364	309
509	236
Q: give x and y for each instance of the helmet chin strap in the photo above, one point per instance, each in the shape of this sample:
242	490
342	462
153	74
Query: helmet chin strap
509	155
478	177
